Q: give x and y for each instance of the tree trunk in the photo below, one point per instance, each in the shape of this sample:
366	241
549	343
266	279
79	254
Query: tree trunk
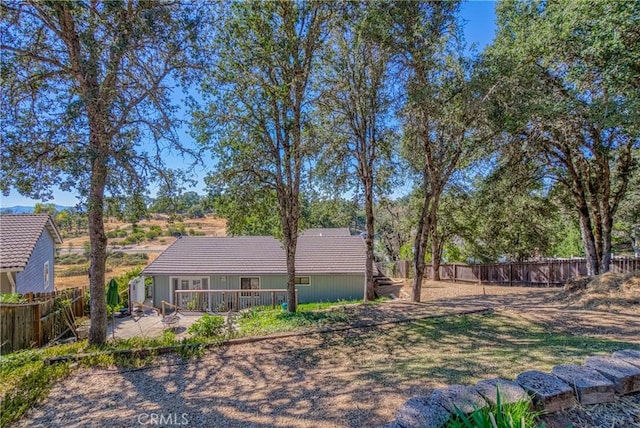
605	260
588	243
368	207
290	245
98	254
419	248
435	240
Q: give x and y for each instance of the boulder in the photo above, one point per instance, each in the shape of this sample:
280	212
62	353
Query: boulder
464	398
422	412
510	392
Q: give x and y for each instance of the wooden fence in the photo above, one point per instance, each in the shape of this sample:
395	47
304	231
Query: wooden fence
553	272
41	320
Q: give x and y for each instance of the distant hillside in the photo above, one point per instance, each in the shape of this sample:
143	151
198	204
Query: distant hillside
22	209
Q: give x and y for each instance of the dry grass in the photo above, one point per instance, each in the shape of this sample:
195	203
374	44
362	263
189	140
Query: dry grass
610	291
83	280
210	226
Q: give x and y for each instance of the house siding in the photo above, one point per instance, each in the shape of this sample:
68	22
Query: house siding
161	290
31	279
5	284
323	288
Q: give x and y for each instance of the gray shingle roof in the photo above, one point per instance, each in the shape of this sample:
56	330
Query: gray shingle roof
259	255
19	234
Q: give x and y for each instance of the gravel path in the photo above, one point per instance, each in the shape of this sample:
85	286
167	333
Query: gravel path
304	382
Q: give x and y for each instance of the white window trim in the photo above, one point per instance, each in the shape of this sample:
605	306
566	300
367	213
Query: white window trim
172	288
304	285
46	276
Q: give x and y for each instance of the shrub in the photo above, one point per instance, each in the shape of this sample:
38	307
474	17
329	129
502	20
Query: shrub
12	298
78	270
208	326
71	259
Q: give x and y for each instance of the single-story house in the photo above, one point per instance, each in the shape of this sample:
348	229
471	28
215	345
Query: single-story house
27	253
330	266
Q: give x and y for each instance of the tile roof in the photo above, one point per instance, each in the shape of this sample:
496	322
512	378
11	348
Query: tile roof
19	234
259	255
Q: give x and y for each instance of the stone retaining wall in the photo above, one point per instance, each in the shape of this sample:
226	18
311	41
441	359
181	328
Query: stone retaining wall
599	380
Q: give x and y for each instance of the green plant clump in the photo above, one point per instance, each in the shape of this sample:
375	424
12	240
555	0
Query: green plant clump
500	415
208	326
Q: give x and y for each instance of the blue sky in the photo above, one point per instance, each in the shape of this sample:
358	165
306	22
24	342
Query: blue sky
479	29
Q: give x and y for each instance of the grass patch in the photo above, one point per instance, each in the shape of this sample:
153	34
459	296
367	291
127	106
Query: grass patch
468	349
265	320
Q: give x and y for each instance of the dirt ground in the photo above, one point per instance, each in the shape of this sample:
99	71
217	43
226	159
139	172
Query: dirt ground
316	380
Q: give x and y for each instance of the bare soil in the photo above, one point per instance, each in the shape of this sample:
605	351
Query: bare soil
354	378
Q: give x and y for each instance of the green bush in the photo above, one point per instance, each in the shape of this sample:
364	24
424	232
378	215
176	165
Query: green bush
208	326
71	259
78	270
118	258
12	298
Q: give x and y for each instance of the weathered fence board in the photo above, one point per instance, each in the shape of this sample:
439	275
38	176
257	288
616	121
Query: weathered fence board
36	323
541	273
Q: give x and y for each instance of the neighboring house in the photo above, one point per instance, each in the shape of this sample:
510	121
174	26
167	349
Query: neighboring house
27	253
330	266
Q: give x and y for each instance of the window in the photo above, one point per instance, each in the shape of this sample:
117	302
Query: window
46	275
249	284
303	280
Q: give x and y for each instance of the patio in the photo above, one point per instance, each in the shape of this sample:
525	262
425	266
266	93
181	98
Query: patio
148	325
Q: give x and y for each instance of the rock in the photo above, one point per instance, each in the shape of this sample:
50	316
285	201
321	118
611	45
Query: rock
510	392
422	412
628	356
549	393
464	398
590	386
625	376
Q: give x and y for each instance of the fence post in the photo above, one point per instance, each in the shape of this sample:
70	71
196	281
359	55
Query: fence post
511	274
273	300
296	294
455	272
37	326
549	274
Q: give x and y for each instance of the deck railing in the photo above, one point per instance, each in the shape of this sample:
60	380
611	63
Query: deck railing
228	300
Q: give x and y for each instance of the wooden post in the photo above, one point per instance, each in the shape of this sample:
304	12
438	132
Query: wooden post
549	274
511	274
455	272
29	296
237	303
37	325
273	299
